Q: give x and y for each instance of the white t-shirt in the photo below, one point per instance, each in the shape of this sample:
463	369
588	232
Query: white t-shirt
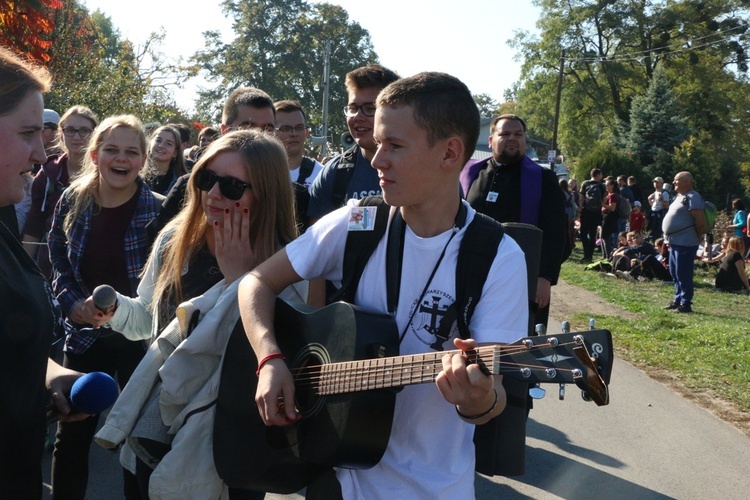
656	206
430	453
294	174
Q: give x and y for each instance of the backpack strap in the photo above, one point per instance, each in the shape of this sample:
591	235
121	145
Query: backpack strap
359	247
305	169
343	174
475	257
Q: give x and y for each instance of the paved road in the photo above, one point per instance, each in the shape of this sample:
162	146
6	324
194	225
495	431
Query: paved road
649	443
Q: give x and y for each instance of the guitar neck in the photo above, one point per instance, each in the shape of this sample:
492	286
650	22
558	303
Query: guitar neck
381	373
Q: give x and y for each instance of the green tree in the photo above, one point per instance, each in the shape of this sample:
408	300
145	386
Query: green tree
613	51
487	105
93	66
280	47
655	125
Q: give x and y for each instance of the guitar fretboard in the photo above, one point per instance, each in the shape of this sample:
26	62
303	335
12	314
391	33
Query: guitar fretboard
354	376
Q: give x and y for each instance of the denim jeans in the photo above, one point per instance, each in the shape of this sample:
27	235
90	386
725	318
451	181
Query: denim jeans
681	267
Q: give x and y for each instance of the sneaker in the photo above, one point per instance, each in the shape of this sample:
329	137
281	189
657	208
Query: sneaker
624	275
584	261
672	305
684	308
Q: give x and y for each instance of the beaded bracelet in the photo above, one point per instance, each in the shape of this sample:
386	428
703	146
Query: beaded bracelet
275	355
475	417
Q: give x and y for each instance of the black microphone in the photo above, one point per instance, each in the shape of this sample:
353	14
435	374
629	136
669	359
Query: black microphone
92	393
104	297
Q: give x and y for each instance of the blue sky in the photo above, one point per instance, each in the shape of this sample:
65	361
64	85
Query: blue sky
409	35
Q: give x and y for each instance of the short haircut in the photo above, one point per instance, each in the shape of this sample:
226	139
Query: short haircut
738	204
18	77
370	76
183	130
209	131
507	116
632	179
441	104
289	106
245	96
595	172
623	178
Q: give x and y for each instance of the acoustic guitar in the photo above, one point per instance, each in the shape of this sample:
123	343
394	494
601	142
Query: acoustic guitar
347	372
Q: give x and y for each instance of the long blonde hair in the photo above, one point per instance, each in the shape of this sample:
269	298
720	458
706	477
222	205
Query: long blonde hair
272	222
84	189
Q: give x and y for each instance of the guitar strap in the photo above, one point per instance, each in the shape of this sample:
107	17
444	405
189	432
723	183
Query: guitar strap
393	261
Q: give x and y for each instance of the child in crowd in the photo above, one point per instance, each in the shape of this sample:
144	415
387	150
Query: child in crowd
637	218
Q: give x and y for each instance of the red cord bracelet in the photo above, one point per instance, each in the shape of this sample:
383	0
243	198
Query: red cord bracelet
276	355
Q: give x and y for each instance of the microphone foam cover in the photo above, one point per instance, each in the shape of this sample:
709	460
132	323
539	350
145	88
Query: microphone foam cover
104	297
93	393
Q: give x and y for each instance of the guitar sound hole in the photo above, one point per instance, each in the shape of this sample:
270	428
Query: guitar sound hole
307	365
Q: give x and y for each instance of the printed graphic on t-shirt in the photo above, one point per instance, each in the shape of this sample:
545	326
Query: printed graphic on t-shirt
429	313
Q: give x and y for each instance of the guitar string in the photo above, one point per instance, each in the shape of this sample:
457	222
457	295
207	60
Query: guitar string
487	354
350	374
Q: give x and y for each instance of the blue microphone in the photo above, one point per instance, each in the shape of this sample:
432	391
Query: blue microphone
92	393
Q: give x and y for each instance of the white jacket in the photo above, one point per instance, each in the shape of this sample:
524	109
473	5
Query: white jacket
190	370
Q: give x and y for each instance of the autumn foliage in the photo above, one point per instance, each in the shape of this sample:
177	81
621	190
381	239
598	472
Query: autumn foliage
26	26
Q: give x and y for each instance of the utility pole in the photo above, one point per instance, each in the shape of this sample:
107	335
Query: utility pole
557	105
326	85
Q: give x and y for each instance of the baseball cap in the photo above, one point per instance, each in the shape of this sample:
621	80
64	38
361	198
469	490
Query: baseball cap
51	116
658	179
636	203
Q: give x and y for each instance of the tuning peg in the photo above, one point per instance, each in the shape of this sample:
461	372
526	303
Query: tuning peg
592	323
536	392
585	396
540	329
566	326
562	392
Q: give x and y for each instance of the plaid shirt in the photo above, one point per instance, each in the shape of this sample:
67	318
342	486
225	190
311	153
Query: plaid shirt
66	253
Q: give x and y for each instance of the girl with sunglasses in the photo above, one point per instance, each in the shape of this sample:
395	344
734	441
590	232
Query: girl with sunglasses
239	211
99	235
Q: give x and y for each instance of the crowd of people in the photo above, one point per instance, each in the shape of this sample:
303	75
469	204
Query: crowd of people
665	243
197	240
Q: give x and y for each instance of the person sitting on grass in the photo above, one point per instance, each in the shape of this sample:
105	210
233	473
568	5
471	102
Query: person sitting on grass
716	255
662	248
639	260
732	276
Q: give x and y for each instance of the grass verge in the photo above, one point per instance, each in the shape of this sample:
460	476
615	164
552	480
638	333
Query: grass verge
707	352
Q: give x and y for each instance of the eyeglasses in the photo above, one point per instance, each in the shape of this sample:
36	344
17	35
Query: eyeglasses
367	109
286	129
229	186
268	127
83	132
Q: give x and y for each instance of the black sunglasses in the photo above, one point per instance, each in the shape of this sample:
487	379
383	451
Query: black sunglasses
229	186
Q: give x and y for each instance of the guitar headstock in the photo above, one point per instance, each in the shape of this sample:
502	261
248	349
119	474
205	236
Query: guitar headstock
584	358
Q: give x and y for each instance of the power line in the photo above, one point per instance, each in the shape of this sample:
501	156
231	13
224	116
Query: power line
637	56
